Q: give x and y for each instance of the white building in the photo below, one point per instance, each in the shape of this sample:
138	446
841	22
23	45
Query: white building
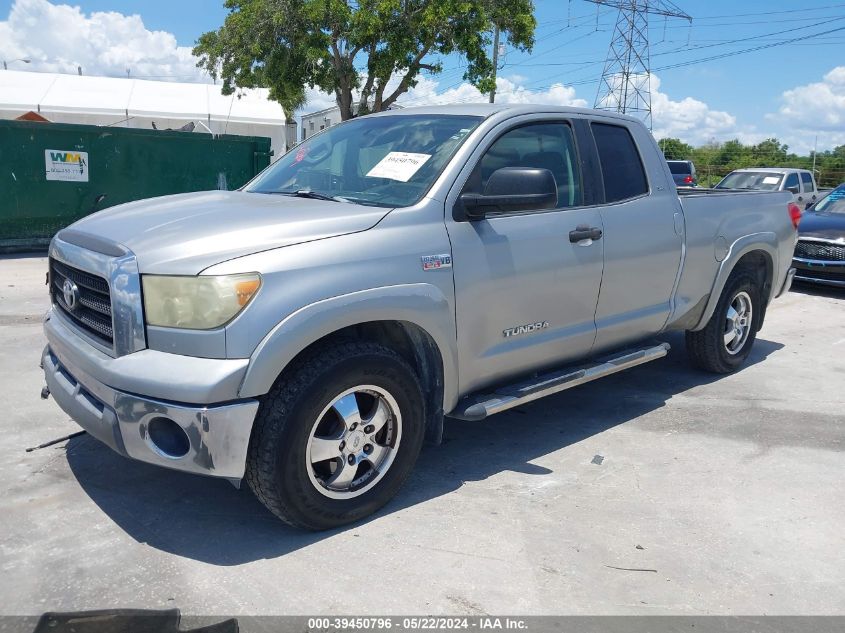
138	103
313	122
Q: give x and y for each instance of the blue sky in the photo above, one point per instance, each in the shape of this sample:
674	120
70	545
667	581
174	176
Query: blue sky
741	95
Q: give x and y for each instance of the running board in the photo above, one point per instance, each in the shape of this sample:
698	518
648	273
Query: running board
480	406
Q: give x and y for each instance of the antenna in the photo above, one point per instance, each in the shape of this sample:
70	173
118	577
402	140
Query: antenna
625	84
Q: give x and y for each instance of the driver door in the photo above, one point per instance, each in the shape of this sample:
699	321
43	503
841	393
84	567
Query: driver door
525	294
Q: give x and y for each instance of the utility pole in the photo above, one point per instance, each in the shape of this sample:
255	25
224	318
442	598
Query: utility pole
815	149
625	85
495	62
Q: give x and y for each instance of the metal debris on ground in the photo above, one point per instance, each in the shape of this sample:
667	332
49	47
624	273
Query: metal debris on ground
56	441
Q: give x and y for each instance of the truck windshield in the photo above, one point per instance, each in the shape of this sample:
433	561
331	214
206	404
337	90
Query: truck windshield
388	161
751	180
834	202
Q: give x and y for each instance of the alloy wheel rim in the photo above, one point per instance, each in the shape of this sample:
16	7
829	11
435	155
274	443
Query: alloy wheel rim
353	442
738	323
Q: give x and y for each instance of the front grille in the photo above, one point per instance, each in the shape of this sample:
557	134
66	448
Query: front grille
820	251
93	310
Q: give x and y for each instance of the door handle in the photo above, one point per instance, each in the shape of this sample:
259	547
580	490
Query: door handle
585	233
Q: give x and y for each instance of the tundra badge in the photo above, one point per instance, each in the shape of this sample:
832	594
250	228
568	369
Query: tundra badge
525	329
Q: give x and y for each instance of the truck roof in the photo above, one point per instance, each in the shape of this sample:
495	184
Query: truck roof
772	170
488	109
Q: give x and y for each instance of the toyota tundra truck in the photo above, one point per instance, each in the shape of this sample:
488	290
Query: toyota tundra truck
308	332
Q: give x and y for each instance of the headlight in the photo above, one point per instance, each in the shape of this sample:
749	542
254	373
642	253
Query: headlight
196	303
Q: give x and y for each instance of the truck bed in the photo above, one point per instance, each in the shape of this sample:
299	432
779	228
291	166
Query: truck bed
714	219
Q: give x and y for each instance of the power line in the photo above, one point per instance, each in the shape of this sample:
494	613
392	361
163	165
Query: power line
748	50
743	15
745	39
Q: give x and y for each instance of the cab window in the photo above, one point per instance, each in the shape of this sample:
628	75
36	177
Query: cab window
807	179
542	145
621	166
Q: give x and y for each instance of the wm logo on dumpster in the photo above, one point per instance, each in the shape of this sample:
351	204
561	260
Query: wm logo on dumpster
65	157
66	166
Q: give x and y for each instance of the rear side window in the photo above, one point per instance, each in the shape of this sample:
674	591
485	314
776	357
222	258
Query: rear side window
621	166
808	181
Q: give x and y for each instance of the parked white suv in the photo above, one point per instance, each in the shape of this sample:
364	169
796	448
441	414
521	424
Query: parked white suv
799	182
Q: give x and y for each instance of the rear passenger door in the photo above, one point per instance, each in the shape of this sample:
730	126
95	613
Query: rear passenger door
643	237
525	292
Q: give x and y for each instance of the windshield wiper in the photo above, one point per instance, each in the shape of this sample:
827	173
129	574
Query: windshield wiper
314	195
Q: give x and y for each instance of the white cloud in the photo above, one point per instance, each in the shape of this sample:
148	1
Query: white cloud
693	121
59	37
427	92
816	108
317	100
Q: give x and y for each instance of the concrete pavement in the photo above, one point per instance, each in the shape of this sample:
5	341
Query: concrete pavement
725	493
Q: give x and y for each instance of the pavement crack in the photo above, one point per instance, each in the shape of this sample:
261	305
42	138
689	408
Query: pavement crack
451	551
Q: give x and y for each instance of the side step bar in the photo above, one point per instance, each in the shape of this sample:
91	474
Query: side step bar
504	398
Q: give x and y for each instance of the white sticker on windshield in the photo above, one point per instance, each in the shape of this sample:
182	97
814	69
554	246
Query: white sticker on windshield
771	180
398	166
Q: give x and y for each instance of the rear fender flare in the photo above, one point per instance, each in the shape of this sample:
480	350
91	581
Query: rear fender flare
766	242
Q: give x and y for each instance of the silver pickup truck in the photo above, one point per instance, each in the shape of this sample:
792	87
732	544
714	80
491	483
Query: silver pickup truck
308	332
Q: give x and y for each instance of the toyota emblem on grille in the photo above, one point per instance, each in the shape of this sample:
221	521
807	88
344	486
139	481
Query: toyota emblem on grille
70	293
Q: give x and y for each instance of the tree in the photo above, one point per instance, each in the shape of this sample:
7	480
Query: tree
770	152
376	47
675	149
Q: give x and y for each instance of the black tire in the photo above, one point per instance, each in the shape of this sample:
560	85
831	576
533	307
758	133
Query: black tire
276	469
706	347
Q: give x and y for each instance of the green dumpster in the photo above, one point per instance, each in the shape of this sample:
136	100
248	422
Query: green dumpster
52	174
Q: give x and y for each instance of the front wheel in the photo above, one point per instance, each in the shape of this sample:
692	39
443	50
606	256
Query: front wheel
726	341
337	436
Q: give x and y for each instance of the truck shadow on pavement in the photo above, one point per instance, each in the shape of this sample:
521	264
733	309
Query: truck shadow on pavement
210	521
818	290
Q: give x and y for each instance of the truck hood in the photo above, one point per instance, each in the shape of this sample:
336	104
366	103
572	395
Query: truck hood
830	226
186	233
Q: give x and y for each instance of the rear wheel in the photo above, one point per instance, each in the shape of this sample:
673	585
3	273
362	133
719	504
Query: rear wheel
726	341
337	436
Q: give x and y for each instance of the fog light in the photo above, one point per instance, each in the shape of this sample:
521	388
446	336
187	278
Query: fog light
168	437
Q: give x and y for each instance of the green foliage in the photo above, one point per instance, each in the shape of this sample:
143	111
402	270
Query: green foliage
286	45
715	160
675	149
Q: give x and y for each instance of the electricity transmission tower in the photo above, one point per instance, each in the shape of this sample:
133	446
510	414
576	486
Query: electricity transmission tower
625	84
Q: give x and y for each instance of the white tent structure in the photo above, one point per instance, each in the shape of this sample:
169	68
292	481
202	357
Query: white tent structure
138	103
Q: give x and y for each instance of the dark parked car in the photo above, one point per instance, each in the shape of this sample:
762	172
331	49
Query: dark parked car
820	252
683	173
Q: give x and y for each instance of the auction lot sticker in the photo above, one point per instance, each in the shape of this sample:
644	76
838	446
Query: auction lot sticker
398	166
64	165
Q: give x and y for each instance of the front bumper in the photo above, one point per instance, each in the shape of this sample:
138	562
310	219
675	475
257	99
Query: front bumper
215	436
828	273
